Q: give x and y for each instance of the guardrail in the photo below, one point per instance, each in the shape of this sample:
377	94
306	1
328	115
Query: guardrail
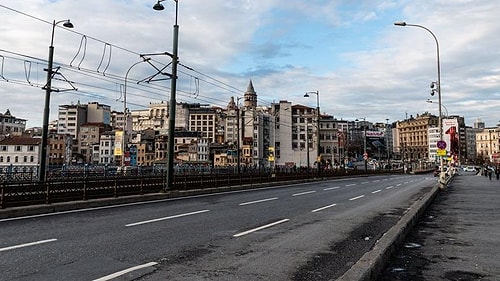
25	193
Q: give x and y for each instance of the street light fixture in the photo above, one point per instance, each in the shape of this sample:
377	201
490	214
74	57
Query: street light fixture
173	88
318	138
46	109
442	180
446	109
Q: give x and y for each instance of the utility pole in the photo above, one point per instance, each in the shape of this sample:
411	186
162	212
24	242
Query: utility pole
238	161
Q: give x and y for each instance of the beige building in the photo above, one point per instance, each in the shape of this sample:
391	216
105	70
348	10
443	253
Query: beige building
487	143
412	137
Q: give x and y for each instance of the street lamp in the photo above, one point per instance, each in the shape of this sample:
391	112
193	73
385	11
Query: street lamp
446	109
48	90
318	153
387	142
442	181
125	115
365	154
173	88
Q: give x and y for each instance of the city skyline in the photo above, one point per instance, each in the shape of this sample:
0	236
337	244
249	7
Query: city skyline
362	65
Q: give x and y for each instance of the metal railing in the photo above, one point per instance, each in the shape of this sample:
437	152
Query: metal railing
65	187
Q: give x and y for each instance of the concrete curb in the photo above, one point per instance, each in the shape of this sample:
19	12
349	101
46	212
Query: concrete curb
373	262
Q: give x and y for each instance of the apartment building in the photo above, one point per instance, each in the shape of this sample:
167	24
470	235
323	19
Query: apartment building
11	125
71	118
21	152
487	143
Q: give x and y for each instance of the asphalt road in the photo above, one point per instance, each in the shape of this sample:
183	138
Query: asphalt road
312	231
457	238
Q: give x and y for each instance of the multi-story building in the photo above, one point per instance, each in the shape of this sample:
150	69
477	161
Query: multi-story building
71	118
155	117
98	113
58	149
203	120
470	145
413	137
106	148
487	143
10	125
304	135
230	120
88	143
281	130
19	152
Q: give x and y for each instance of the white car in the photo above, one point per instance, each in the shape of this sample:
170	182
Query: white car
469	169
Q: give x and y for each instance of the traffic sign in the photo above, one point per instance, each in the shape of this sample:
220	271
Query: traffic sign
441	144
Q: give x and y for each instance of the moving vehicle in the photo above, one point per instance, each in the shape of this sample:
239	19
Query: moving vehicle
469	169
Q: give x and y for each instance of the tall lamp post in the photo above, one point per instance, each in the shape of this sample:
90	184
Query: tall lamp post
318	138
442	179
46	109
173	88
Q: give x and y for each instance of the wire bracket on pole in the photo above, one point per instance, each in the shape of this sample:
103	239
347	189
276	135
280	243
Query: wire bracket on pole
102	58
83	43
1	69
54	73
27	71
159	70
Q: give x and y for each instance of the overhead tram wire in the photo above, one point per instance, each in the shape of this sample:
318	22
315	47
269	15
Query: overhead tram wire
116	79
230	89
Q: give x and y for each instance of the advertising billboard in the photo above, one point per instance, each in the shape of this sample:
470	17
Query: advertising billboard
451	137
118	143
375	142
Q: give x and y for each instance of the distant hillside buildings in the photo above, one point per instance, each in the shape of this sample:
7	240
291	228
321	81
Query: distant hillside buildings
280	135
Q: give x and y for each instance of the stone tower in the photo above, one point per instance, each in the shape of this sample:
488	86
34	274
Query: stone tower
250	97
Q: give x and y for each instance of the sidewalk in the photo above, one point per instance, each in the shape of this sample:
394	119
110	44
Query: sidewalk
457	238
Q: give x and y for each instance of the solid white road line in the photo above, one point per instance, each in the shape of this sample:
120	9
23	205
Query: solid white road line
304	193
125	271
258	201
260	228
376	191
356	198
322	208
331	188
27	245
167	218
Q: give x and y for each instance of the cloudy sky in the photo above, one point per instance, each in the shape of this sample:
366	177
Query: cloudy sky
349	50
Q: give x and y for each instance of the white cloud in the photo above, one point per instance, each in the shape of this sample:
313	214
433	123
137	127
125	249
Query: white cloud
350	51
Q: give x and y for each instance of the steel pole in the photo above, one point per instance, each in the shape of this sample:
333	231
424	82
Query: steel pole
172	104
